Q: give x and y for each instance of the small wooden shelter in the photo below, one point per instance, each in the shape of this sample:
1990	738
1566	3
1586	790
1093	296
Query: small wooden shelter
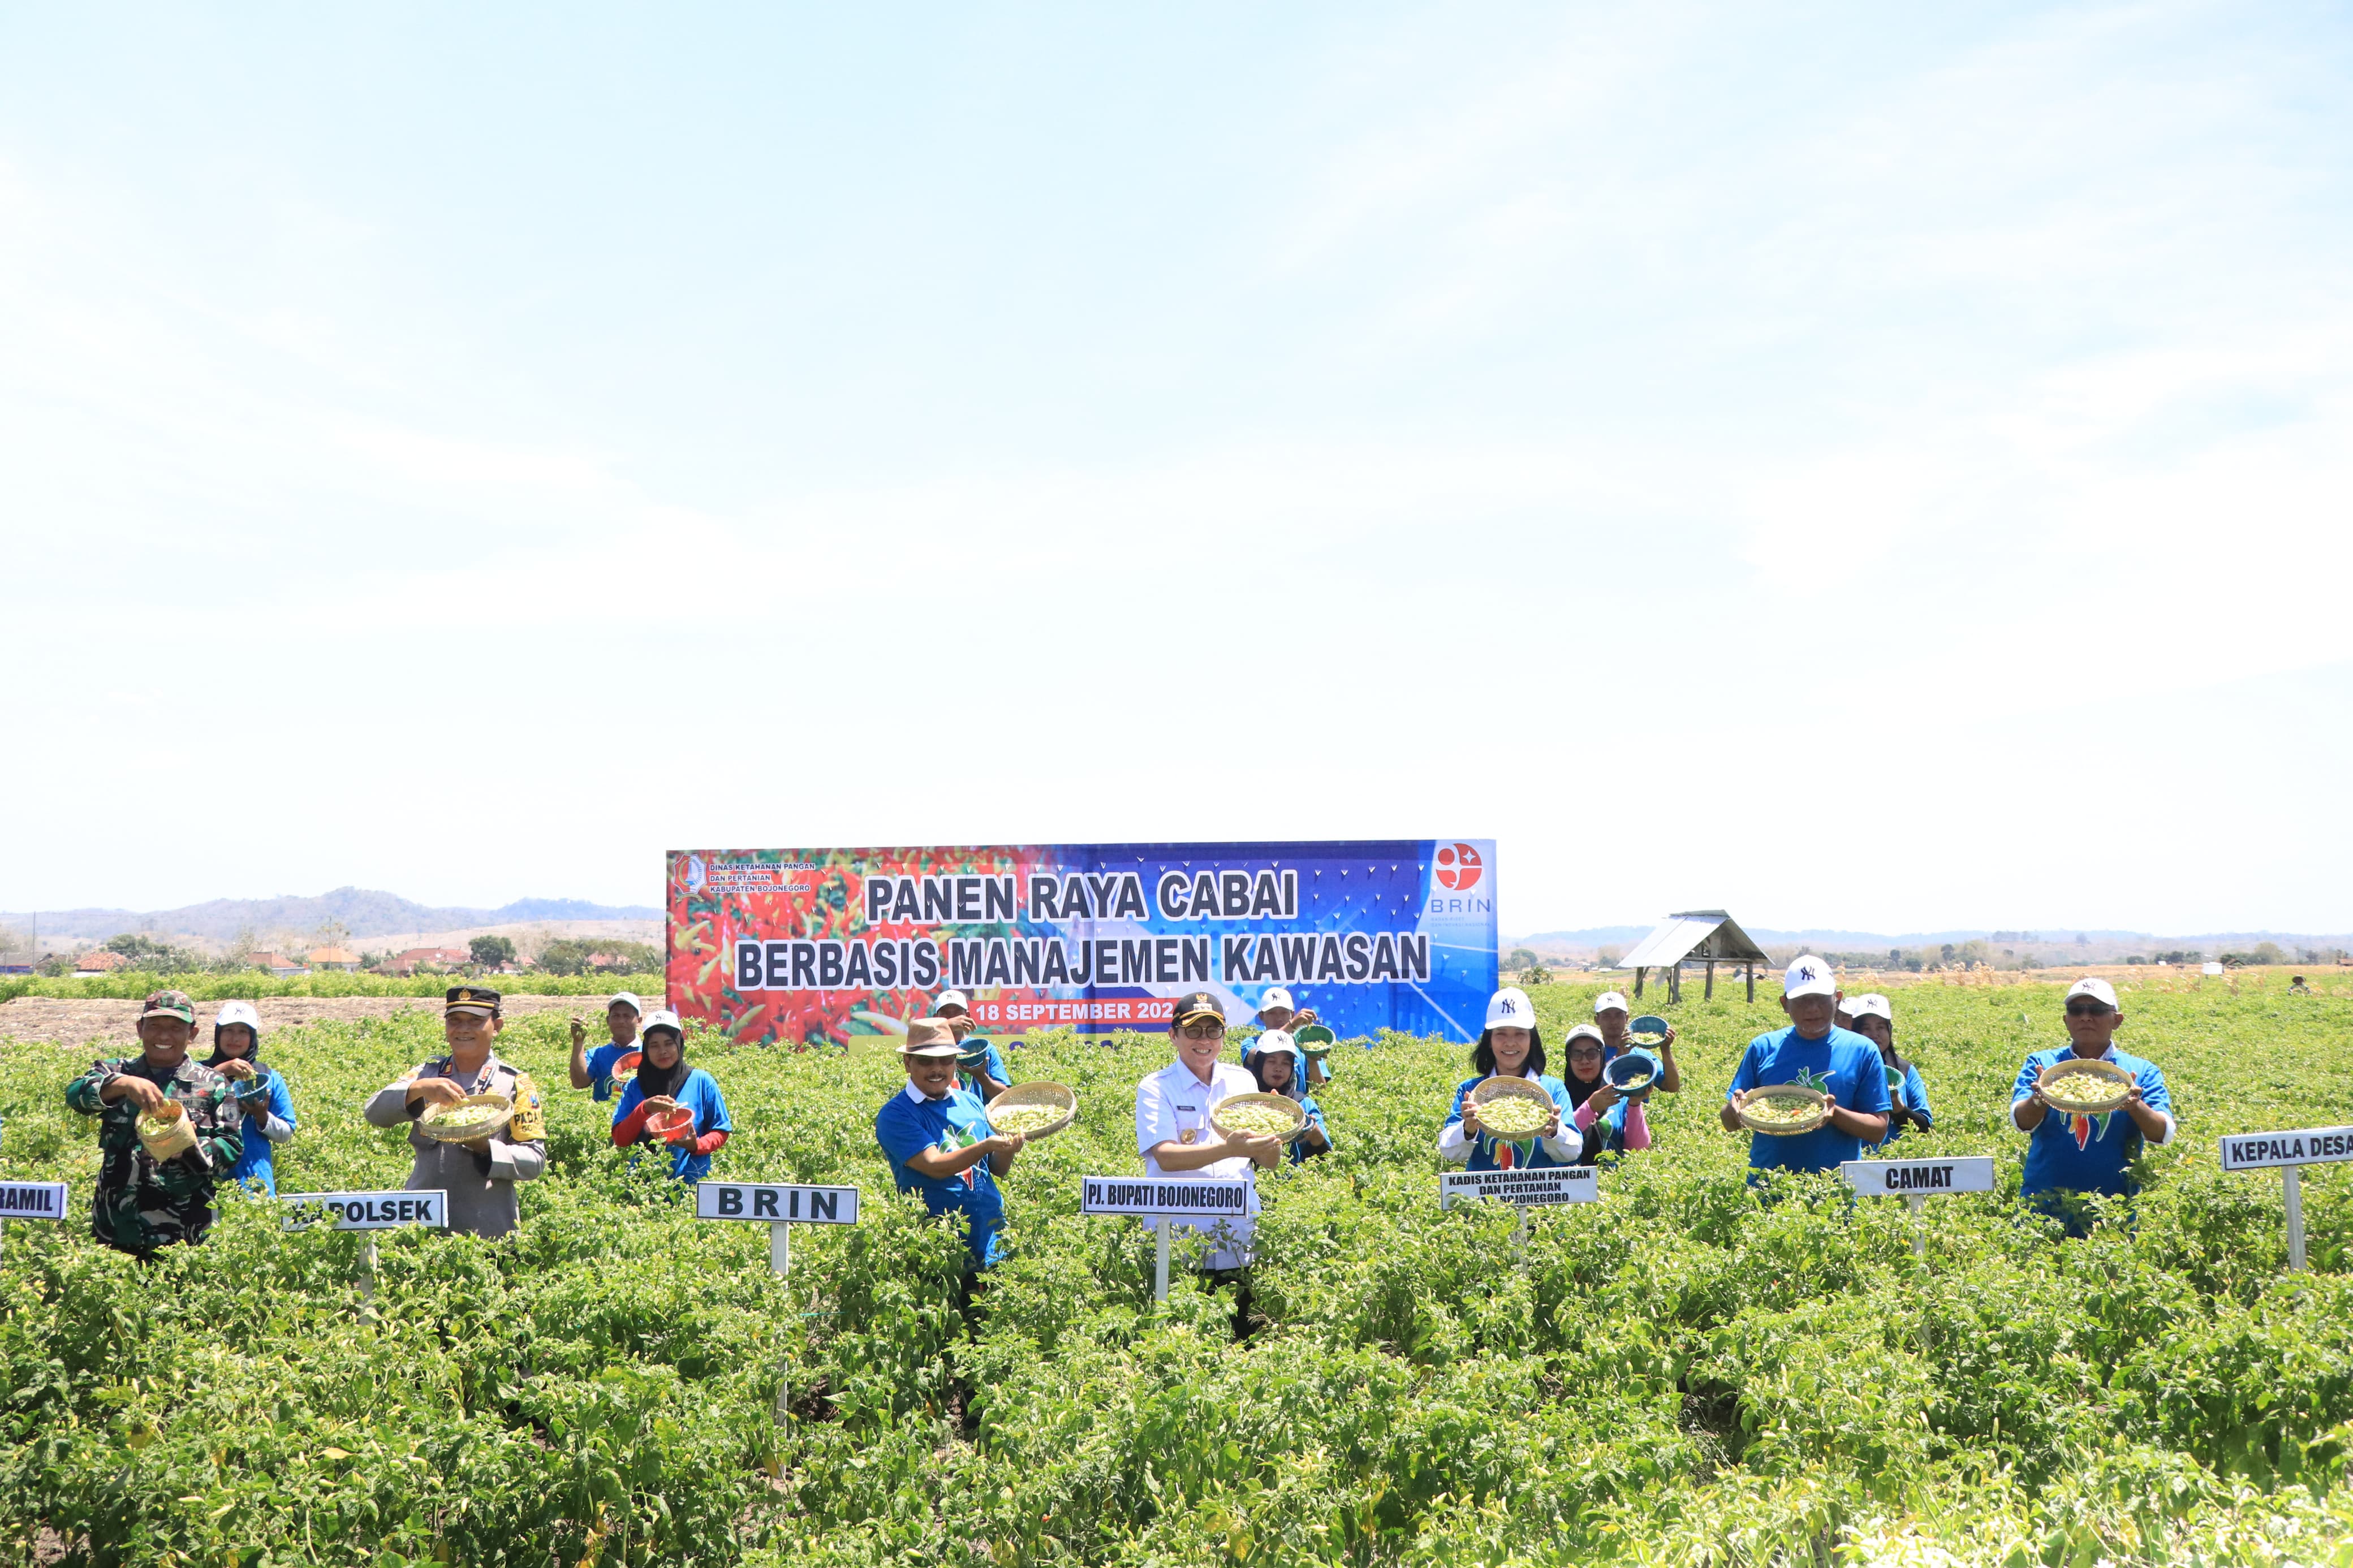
1708	936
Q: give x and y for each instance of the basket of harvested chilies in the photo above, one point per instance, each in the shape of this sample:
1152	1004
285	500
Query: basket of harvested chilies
2086	1087
1784	1110
165	1131
1034	1111
1512	1108
464	1121
1258	1116
1634	1072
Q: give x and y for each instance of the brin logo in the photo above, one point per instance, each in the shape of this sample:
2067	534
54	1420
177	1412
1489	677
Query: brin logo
1458	868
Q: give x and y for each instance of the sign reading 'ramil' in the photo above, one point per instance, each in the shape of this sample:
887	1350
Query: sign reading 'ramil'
32	1200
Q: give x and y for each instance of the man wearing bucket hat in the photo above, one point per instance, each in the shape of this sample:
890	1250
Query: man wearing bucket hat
593	1071
479	1174
157	1191
1614	1019
1174	1131
936	1136
1815	1053
2070	1154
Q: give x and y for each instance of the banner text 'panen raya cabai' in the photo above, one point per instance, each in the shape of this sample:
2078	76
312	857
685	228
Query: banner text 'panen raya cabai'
825	944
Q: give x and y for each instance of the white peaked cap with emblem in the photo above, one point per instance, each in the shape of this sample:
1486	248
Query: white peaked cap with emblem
625	999
239	1013
2097	989
1871	1004
1608	999
1509	1009
662	1018
1276	996
1810	977
951	999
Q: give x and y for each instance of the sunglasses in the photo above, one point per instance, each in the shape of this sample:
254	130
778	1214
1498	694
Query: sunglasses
1204	1031
2088	1009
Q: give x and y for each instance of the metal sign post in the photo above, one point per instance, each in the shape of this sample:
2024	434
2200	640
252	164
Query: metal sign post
30	1200
2289	1151
369	1213
1162	1199
779	1207
1918	1181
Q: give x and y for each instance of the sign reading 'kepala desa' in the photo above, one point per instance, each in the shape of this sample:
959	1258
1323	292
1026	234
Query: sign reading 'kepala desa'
824	944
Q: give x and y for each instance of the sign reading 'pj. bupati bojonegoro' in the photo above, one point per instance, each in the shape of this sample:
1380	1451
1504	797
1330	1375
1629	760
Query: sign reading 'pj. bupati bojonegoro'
1198	1198
824	944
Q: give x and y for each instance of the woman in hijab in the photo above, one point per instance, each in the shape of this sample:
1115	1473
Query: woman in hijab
260	1093
1907	1095
663	1084
1275	1065
1610	1123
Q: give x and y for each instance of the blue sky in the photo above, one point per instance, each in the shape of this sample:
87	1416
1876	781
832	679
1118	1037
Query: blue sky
1859	466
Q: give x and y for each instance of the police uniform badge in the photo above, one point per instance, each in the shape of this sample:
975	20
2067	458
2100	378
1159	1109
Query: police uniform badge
530	1122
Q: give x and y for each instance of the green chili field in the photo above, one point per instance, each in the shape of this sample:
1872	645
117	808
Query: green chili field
1678	1374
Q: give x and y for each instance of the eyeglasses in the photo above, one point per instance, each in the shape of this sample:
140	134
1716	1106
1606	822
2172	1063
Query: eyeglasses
1204	1031
2088	1009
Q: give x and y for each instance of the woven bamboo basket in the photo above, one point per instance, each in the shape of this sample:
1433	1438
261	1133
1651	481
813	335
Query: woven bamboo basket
2117	1083
1290	1108
434	1123
1783	1095
167	1133
1497	1088
1056	1097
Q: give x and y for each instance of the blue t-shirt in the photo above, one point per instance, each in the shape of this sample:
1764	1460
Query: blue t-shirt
699	1093
906	1126
2086	1153
1842	1064
1491	1153
993	1063
255	1161
1914	1097
600	1067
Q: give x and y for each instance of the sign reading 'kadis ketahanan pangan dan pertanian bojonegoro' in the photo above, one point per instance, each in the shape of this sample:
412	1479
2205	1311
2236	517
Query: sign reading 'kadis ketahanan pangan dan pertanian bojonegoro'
2307	1146
1537	1187
827	944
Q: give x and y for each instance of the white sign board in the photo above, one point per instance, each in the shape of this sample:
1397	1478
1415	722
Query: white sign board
373	1211
776	1205
1919	1178
2307	1146
32	1200
1537	1188
1187	1197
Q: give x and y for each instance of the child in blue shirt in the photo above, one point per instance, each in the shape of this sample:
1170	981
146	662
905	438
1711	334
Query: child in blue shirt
1276	1066
2071	1153
663	1084
1907	1094
938	1138
594	1070
1817	1054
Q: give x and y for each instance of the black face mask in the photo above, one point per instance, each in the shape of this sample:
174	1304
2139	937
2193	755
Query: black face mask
652	1081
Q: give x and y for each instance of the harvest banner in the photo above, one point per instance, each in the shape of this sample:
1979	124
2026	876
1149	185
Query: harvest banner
809	945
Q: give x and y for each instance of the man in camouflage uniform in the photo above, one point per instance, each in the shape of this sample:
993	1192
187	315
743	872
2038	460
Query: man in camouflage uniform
142	1202
479	1175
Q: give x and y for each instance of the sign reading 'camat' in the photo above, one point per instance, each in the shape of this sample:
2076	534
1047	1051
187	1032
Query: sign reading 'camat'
2309	1146
1919	1178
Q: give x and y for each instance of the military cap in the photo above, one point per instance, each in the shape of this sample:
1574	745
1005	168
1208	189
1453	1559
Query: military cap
471	999
1198	1004
170	1004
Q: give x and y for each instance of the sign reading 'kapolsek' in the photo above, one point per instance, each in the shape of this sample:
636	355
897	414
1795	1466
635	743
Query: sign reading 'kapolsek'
2310	1146
370	1211
1200	1196
1537	1188
771	1204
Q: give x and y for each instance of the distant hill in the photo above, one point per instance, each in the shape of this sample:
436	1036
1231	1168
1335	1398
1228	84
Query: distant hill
2096	946
363	911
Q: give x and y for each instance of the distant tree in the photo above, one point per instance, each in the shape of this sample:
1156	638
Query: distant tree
1522	958
146	954
491	951
1535	974
1609	956
575	955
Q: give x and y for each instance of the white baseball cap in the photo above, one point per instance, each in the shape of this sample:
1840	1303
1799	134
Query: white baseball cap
1608	999
1277	997
951	999
662	1018
631	997
1510	1009
1275	1040
1871	1004
1808	976
2097	989
1585	1032
239	1013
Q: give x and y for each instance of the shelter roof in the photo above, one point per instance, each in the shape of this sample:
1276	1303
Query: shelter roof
1695	933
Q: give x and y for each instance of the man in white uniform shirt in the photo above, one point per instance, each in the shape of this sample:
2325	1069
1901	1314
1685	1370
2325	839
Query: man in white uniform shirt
1172	1120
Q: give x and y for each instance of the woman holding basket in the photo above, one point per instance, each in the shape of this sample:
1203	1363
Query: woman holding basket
1510	1046
664	1086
